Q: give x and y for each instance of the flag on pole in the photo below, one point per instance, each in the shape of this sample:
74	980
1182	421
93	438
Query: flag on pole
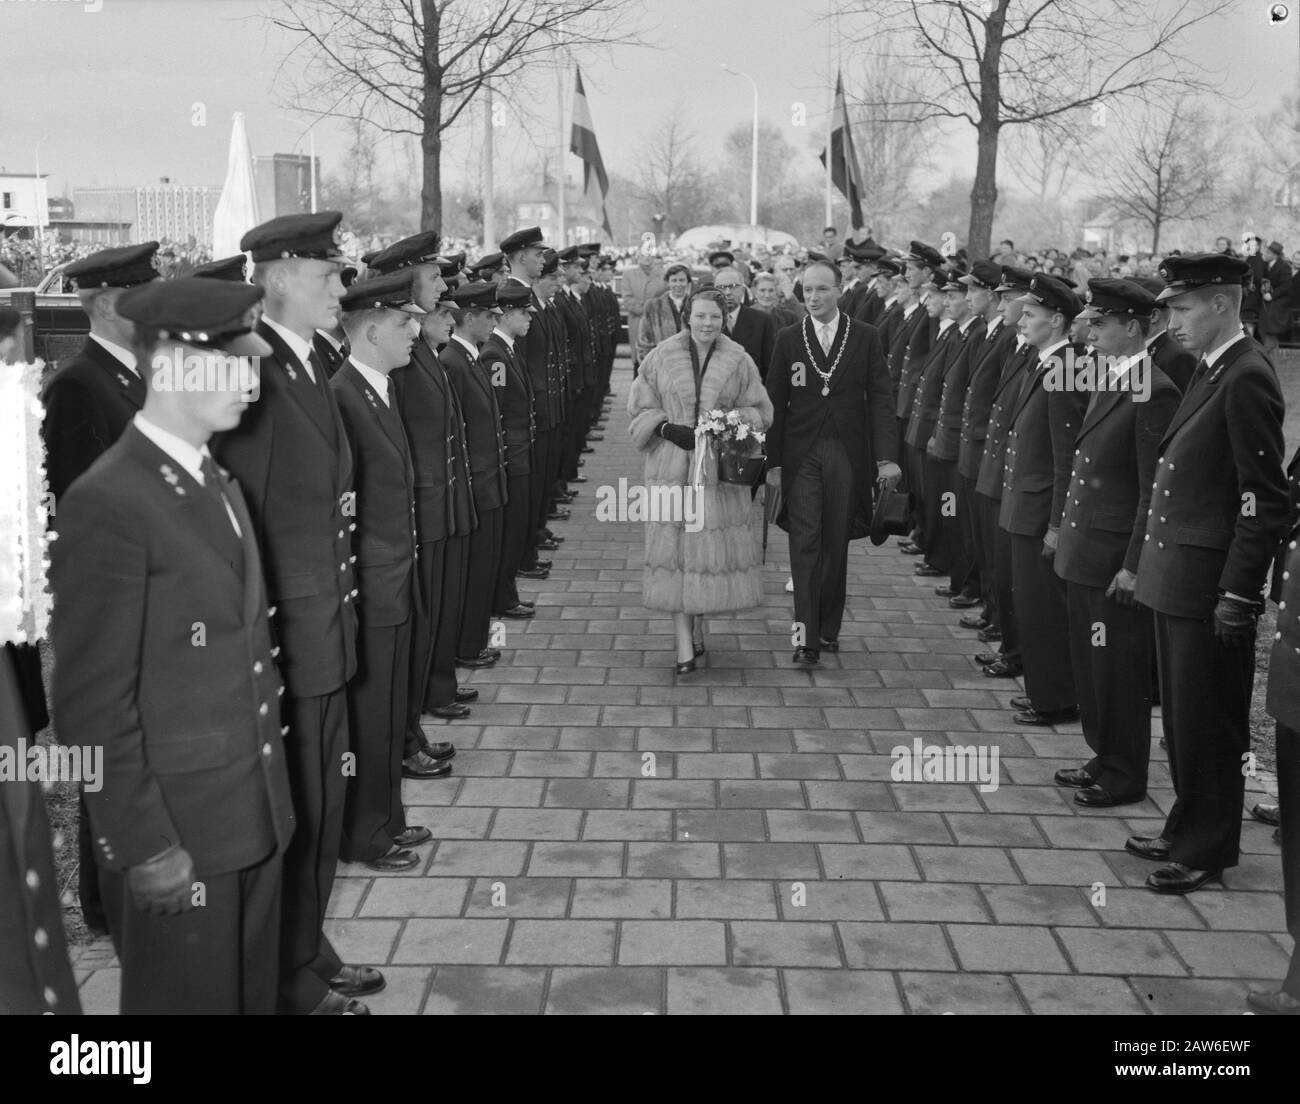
843	158
582	141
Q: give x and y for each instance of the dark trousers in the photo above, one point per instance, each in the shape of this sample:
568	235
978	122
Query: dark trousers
514	540
940	512
377	718
903	484
547	462
446	579
1039	596
314	749
820	509
1205	706
966	577
536	498
89	894
1003	585
481	582
986	510
1112	677
914	467
221	958
579	424
1288	798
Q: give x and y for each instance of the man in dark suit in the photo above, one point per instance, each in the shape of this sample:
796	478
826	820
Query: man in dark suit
88	402
444	510
602	276
377	317
831	439
1220	506
1005	661
751	327
915	341
1040	449
291	456
509	379
1101	539
166	662
987	358
891	311
582	343
475	314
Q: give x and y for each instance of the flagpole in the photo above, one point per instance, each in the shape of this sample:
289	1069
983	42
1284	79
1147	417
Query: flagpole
830	117
559	184
489	189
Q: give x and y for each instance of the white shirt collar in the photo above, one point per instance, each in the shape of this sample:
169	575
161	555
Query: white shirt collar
909	311
335	344
993	326
473	352
1043	354
505	337
185	454
891	301
944	323
964	326
1021	341
299	346
119	352
377	380
834	322
1213	356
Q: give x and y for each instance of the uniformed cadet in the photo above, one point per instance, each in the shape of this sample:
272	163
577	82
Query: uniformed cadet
234	269
165	661
1005	662
491	267
582	349
603	298
963	587
89	401
1045	420
987	358
1219	506
475	313
1170	357
381	330
920	266
556	495
509	378
291	457
1111	637
35	976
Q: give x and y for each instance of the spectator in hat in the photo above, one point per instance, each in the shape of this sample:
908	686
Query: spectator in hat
1275	298
665	314
640	284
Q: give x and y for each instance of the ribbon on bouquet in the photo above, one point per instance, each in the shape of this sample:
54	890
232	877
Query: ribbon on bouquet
701	447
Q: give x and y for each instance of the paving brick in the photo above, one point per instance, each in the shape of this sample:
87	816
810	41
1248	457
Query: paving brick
965	864
486	991
1239	911
634	764
1223	954
603	793
490	858
1054	995
730	824
399	897
575	860
762	795
519	792
708	765
746	900
965	995
999	948
1171	996
1040	904
620	824
537	824
829	901
811	826
674	860
758	943
450	941
623	897
562	942
551	764
895	946
841	993
621	991
873	861
1119	951
672	943
512	897
770	860
995	830
450	823
671	793
706	991
933	901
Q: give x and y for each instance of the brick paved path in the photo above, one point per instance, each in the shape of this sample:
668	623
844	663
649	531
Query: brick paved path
565	879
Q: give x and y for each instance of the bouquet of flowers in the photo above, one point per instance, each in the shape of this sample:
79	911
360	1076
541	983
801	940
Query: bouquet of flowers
24	597
737	445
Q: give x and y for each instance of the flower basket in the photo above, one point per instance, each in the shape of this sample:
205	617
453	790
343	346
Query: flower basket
733	467
737	445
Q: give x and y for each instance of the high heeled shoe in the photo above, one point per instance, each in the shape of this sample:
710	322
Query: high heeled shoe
686	668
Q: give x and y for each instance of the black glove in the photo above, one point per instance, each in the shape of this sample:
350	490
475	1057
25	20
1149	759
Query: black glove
681	436
1234	621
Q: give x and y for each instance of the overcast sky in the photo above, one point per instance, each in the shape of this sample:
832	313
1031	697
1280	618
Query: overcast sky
111	92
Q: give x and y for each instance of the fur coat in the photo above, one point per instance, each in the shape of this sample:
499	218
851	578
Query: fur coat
709	562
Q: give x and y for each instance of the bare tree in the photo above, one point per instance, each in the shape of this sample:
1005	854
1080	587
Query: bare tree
415	66
992	67
1168	172
1049	155
668	176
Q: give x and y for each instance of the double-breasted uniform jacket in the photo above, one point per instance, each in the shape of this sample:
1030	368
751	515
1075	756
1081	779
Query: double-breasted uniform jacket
1220	503
1283	698
435	432
1110	482
34	972
385	537
661	320
537	350
1006	399
888	322
956	382
988	359
330	355
562	351
1040	446
292	459
582	345
917	340
757	333
929	386
515	400
166	662
483	432
88	402
1172	359
859	403
896	352
606	319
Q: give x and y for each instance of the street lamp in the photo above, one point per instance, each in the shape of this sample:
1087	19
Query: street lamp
753	165
311	148
40	215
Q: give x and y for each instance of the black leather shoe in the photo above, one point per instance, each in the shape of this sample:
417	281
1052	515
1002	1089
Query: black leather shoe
806	657
828	645
1179	880
963	601
686	667
480	660
577	479
559	514
926	571
334	1004
1004	668
543	565
395	860
562	500
423	766
1155	848
978	622
987	659
410	837
465	695
1266	814
1098	797
944	591
910	548
1075	777
441	750
592	438
588	448
518	613
991	635
1274	1004
548	546
537	573
1044	718
1021	703
452	711
552	537
356	981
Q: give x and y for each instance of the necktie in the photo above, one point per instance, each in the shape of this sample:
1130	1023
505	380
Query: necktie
1201	369
825	337
314	370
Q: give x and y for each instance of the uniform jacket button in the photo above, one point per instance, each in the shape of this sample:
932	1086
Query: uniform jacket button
257	666
266	750
263	709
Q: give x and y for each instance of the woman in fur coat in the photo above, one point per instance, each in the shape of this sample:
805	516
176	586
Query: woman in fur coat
704	557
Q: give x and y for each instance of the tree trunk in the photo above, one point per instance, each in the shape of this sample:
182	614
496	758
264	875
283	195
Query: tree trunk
983	194
431	118
1155	235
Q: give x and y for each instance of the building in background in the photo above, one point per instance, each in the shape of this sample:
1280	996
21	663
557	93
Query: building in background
156	212
24	203
540	208
283	182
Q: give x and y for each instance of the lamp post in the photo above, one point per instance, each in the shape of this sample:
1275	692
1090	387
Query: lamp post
753	165
310	134
40	215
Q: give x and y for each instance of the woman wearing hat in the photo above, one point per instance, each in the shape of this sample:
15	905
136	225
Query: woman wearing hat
1275	298
665	314
706	559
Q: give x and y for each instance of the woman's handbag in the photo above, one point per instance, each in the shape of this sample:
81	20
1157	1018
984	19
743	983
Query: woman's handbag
745	471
